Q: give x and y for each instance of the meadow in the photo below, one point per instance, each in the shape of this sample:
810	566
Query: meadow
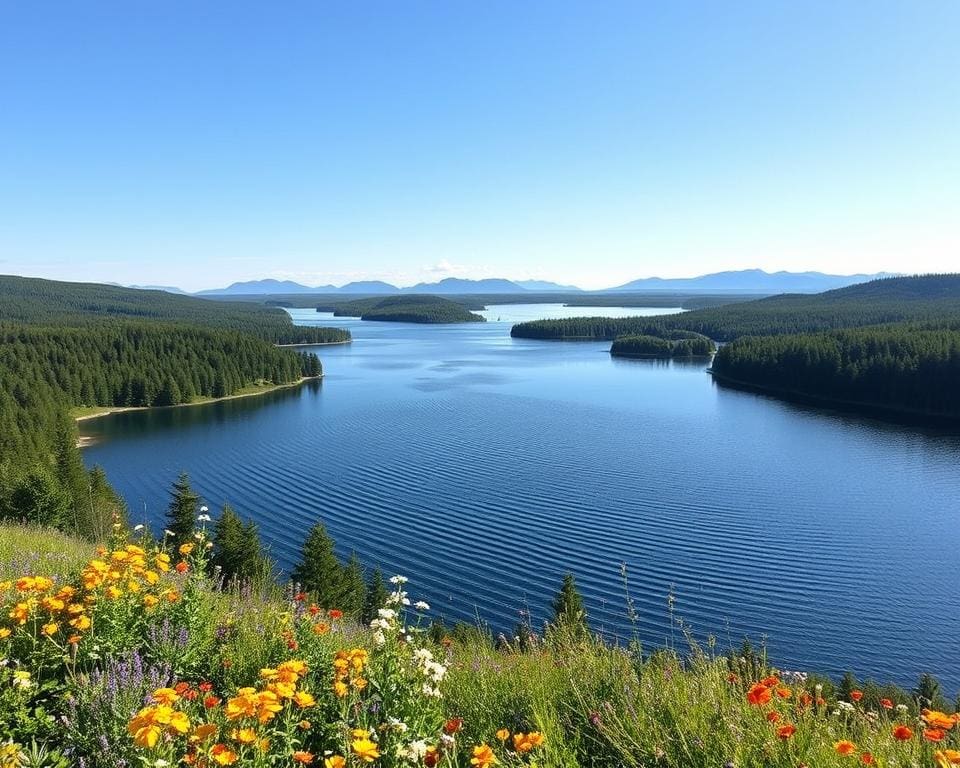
137	653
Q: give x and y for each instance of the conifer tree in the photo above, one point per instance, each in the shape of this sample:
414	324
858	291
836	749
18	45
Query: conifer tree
352	587
375	596
236	547
319	571
569	615
182	512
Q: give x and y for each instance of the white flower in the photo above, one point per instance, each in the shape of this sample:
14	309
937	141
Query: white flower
901	707
421	606
379	638
138	527
397	725
405	601
204	518
398	579
168	532
379	624
204	509
160	763
447	740
387	613
422	655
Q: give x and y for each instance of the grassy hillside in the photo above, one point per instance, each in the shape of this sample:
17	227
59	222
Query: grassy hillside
137	657
49	302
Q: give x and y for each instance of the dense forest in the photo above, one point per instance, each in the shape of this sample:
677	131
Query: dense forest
65	345
931	300
407	309
678	344
49	302
896	367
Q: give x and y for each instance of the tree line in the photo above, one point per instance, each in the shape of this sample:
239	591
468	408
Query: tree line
897	367
417	308
50	302
656	346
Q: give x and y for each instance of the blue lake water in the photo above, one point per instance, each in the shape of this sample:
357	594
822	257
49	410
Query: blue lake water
484	467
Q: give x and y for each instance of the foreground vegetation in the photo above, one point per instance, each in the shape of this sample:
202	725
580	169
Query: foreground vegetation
143	654
415	308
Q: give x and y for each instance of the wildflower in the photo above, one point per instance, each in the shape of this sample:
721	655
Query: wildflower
203	518
866	758
431	757
138	528
204	731
304	725
303	699
934	734
784	693
453	725
302	757
210	702
844	747
772	717
166	696
421	606
503	734
321	628
335	614
365	749
398	579
483	756
786	731
50	629
902	733
244	735
886	703
856	695
341	689
334	761
223	755
5	632
946	758
524	742
185	549
182	567
759	695
936	719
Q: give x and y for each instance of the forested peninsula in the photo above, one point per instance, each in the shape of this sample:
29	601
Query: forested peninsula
416	308
65	346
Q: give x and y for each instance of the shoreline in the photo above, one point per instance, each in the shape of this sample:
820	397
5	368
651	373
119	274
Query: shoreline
85	440
316	344
854	407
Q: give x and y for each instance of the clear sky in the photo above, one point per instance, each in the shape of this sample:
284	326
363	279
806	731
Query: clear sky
197	143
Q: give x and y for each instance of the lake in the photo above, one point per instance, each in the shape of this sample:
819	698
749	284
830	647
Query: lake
484	467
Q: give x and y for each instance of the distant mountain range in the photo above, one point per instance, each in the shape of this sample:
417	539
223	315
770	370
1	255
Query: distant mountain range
738	281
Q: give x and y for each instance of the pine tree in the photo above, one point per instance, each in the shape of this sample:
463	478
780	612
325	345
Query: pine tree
927	693
352	587
375	596
236	547
182	512
569	615
847	684
319	571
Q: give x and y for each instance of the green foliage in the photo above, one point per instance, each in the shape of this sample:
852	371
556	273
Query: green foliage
407	309
569	615
375	596
183	510
689	345
321	574
930	301
236	549
892	367
52	303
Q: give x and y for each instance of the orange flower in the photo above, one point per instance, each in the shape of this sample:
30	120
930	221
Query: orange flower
902	733
335	614
759	695
483	756
786	731
772	717
334	761
946	758
181	567
503	734
771	681
845	747
936	719
805	699
303	757
886	703
856	695
866	758
223	755
784	693
934	734
321	628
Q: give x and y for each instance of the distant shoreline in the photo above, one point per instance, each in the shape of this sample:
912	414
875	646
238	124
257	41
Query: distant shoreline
316	343
86	440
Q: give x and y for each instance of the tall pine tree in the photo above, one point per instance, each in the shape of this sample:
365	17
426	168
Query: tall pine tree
319	571
182	512
569	615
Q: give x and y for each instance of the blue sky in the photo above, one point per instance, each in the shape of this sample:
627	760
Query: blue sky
195	144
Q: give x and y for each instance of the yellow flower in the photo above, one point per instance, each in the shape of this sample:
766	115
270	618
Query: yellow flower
166	696
50	629
203	732
185	549
503	734
303	699
150	600
334	761
81	623
244	735
365	749
5	632
223	755
483	756
340	689
359	683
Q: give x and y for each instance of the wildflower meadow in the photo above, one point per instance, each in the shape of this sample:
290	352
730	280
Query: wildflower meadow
138	654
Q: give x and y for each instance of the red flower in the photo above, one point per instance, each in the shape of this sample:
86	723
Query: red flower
453	725
759	695
181	567
886	703
805	699
772	717
300	597
335	614
209	702
934	734
786	731
771	682
902	733
856	695
866	758
784	693
205	687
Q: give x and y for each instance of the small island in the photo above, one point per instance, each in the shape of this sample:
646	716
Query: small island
406	309
670	345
